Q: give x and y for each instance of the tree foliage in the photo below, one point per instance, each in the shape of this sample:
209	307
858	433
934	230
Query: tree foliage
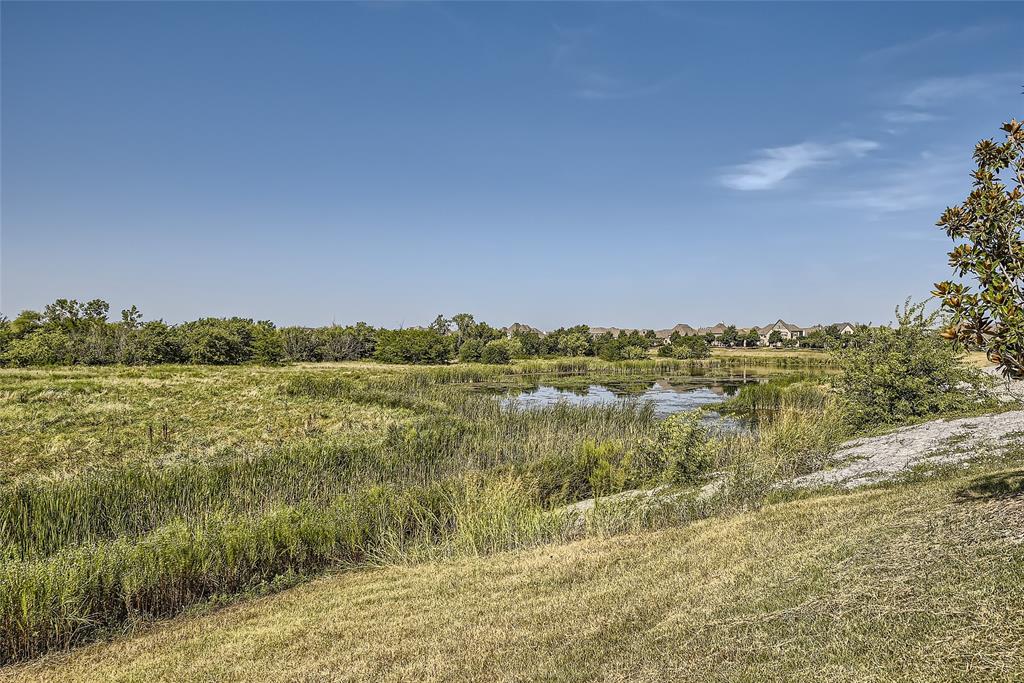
685	348
989	226
412	345
894	374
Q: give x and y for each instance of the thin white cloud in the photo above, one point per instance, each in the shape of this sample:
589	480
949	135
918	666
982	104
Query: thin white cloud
937	39
573	58
775	164
909	116
929	181
934	92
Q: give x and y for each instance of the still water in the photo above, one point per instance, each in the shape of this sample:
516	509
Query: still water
667	395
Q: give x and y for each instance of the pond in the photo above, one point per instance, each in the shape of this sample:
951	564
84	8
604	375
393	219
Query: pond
667	395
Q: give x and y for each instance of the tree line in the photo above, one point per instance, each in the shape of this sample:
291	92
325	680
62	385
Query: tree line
69	332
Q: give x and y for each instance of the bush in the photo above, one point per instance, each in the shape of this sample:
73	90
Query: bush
412	346
890	375
43	347
471	350
153	342
681	450
497	353
686	348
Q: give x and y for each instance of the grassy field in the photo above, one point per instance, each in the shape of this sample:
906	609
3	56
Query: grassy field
58	421
916	582
134	493
767	353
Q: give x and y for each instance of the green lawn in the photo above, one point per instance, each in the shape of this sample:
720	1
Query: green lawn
919	582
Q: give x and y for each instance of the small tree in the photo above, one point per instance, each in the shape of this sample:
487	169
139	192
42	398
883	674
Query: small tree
731	336
775	338
892	374
991	222
496	352
470	351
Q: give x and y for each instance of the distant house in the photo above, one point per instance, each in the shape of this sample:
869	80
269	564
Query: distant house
682	328
718	330
516	328
785	330
842	328
615	331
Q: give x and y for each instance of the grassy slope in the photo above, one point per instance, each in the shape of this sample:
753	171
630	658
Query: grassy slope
911	583
58	420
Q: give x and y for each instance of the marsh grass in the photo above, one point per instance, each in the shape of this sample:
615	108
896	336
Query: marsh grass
446	471
908	583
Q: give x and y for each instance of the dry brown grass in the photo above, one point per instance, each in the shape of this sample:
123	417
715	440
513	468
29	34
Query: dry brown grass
917	583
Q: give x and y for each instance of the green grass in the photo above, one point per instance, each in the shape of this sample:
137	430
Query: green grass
136	523
58	422
917	582
385	464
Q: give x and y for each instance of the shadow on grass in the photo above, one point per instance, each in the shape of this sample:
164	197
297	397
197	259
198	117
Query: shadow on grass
997	485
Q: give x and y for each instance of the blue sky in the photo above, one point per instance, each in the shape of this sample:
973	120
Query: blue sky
616	164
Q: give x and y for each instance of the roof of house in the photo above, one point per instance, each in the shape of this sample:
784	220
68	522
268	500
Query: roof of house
681	328
717	329
521	327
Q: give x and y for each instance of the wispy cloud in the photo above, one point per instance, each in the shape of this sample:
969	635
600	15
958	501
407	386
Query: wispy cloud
934	92
775	164
930	181
909	116
927	42
573	58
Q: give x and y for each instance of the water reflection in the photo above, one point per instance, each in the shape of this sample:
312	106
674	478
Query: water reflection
667	396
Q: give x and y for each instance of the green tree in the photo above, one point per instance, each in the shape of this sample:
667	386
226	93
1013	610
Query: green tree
441	325
775	338
531	342
576	344
990	223
497	352
412	346
267	345
731	336
892	374
471	350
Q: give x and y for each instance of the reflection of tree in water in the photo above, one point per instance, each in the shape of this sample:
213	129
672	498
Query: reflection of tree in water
725	389
628	389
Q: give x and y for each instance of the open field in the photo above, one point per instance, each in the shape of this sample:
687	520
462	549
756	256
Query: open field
57	421
916	582
265	476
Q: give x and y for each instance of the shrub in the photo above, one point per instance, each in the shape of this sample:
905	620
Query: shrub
43	347
686	348
893	374
471	350
412	346
681	450
497	352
